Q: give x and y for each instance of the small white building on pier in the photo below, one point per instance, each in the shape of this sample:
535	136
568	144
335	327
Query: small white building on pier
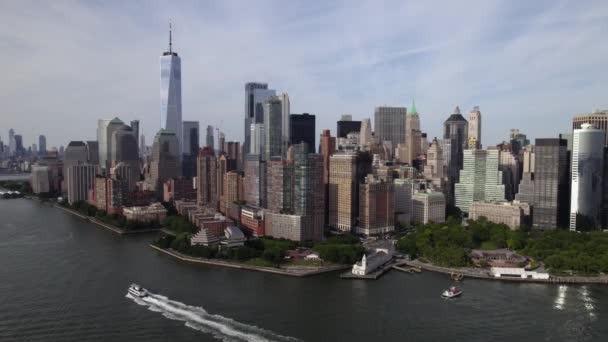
517	272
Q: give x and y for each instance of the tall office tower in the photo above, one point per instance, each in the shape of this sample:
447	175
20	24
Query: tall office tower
165	162
191	148
480	179
527	159
222	168
124	150
11	142
328	148
285	123
171	94
365	135
273	127
474	130
389	124
376	207
122	172
308	192
413	135
435	169
75	154
599	119
518	140
455	130
343	204
209	138
551	184
206	178
93	152
19	150
233	188
233	149
105	129
135	130
587	178
280	188
347	125
80	178
221	141
257	140
509	165
302	128
253	183
41	179
142	145
41	145
255	96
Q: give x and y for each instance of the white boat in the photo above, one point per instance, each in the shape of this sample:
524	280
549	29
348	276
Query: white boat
137	291
451	292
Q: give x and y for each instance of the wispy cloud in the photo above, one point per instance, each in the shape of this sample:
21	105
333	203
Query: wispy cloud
66	63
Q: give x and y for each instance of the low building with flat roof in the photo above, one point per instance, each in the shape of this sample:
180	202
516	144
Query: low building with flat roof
513	214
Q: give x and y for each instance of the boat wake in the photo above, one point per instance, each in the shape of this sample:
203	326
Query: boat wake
195	317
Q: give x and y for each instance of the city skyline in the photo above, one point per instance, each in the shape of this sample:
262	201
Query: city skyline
485	56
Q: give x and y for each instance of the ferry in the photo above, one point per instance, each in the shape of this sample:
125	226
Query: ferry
137	291
451	292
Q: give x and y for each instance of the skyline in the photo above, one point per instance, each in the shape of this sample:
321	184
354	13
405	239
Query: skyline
398	52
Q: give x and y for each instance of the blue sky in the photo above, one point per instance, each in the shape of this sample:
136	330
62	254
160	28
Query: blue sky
528	64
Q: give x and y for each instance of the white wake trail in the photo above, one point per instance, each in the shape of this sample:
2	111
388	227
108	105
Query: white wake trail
195	317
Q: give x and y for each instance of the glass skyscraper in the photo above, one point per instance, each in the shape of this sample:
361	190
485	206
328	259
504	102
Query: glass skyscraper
171	94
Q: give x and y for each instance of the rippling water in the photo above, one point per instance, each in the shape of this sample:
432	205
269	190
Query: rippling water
64	279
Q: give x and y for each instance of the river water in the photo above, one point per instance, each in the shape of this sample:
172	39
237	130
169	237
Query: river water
64	279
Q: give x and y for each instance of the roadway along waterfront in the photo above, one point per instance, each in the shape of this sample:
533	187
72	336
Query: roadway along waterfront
64	279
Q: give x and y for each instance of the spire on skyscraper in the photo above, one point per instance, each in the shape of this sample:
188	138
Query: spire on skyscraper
413	108
170	37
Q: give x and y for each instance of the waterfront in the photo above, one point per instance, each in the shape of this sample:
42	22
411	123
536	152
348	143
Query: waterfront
64	279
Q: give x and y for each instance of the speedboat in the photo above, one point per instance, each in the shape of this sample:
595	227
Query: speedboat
137	291
451	292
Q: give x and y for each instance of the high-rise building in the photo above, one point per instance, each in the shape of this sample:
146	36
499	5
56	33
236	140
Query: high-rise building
285	128
135	130
309	202
347	125
191	148
75	154
342	204
254	182
255	96
455	130
165	162
428	206
435	169
19	150
509	165
273	126
80	178
551	184
93	152
480	179
222	168
413	136
209	138
41	179
365	135
11	142
599	120
518	140
41	145
105	130
257	140
206	178
233	190
587	178
328	148
389	124
221	142
171	94
376	207
281	186
124	150
474	130
302	128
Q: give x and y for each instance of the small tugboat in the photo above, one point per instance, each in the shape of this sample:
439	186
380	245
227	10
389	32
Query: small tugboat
137	291
451	292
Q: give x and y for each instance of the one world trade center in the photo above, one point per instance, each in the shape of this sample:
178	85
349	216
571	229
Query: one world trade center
171	93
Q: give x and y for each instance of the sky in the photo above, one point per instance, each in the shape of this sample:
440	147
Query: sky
530	65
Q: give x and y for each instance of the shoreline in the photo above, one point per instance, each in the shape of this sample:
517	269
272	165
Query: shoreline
110	227
552	279
211	262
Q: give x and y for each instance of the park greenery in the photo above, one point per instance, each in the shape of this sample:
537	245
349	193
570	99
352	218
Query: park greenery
116	220
449	244
265	251
23	187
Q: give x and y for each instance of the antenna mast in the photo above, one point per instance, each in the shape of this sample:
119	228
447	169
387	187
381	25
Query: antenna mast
170	38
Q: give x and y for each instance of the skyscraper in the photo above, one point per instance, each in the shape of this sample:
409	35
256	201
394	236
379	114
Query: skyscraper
255	96
93	152
80	178
124	150
365	135
281	186
455	130
11	142
343	194
587	178
475	126
135	130
209	139
389	124
206	178
347	125
191	148
19	150
309	202
286	112
165	162
42	145
328	148
376	207
302	128
273	127
435	169
171	93
105	130
257	140
599	119
413	135
480	179
551	188
75	154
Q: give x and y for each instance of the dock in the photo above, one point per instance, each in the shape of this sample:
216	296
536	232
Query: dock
409	269
377	273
